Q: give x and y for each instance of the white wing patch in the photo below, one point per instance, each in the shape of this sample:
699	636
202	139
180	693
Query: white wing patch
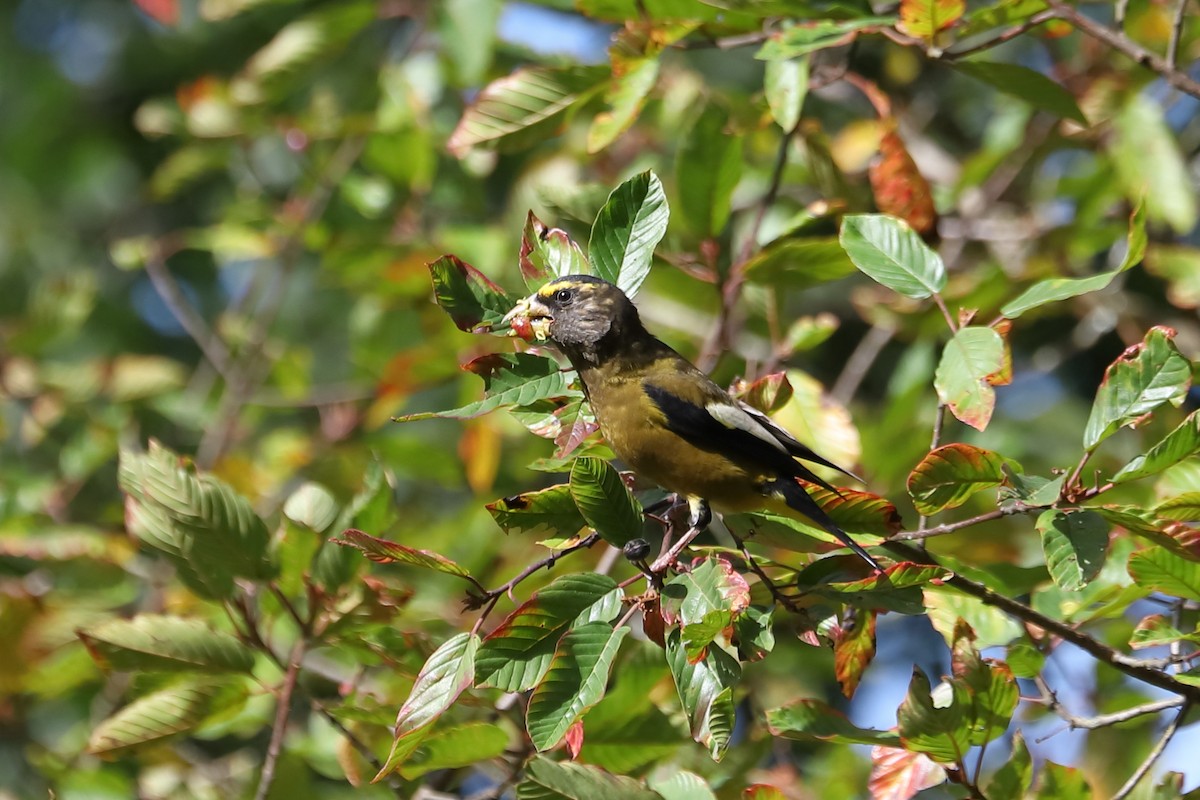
737	418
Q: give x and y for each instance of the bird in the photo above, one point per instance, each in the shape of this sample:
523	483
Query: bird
665	418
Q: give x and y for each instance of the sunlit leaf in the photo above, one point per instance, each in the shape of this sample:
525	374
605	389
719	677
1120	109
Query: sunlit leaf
1011	781
1156	630
627	230
974	361
711	585
942	733
565	780
605	502
1075	543
899	774
1161	570
517	653
460	746
530	104
474	302
632	81
1144	377
682	785
810	719
706	691
445	675
785	84
175	709
546	512
889	251
548	253
808	36
1146	156
153	642
925	18
509	379
951	474
1181	443
389	552
574	682
800	263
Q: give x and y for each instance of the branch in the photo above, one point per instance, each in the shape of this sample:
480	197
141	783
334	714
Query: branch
1001	38
490	597
1140	669
1102	720
282	711
1176	33
188	318
1123	44
859	363
951	527
1152	756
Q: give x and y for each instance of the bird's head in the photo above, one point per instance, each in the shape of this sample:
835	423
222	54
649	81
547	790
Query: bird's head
580	314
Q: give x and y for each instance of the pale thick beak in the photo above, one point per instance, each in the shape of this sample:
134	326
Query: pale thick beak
534	312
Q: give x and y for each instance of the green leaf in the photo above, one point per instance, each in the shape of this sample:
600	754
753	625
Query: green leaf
989	688
527	106
786	85
1156	630
1026	84
800	263
565	780
1181	443
950	475
1025	660
926	18
974	361
626	231
625	96
176	709
890	252
706	691
384	551
474	302
446	673
1184	507
897	588
605	502
151	642
1161	570
697	636
810	719
510	380
1011	781
1063	783
548	253
1179	266
517	653
546	512
1052	290
208	529
682	785
1145	376
313	506
947	606
461	746
941	733
574	682
705	193
1150	165
711	585
811	35
1075	543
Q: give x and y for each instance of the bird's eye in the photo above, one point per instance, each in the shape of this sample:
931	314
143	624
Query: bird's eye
563	296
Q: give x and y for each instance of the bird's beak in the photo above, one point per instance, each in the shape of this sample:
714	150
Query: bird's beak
530	319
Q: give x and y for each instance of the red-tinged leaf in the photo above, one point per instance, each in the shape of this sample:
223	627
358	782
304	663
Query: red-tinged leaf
1155	630
926	18
165	12
809	719
546	512
768	394
449	671
574	739
653	624
711	585
974	361
517	653
388	552
472	300
853	650
950	475
899	187
762	791
524	107
898	588
858	512
1145	376
548	253
576	423
898	774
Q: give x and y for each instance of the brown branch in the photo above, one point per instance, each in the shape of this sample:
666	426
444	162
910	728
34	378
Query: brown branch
282	711
1118	41
1135	668
189	319
1102	720
725	42
1007	35
950	527
1152	756
490	597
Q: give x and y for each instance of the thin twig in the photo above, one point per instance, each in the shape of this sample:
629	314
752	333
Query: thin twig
181	308
1001	38
1050	698
935	441
1152	756
859	363
1118	41
1176	33
282	711
921	534
490	597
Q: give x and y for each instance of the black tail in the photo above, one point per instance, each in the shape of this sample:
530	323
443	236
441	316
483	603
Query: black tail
799	500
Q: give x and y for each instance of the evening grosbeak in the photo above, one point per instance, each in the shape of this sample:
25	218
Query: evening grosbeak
664	417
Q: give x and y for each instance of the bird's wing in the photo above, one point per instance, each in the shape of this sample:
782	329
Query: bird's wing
719	424
790	443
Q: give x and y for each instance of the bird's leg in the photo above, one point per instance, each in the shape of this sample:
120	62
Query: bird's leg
698	520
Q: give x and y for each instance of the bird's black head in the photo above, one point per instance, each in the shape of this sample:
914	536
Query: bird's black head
586	317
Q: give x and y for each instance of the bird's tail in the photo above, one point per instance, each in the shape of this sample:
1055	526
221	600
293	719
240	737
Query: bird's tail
797	499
